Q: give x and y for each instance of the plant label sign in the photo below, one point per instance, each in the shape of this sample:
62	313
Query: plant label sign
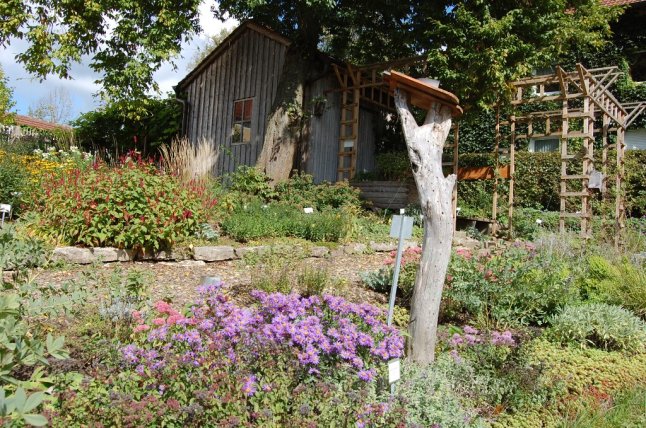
394	370
399	230
308	210
5	208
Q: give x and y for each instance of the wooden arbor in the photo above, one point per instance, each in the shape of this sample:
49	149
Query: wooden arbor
577	108
366	84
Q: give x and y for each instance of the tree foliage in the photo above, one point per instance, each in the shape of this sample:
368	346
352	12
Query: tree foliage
127	40
479	46
110	130
6	101
474	46
211	43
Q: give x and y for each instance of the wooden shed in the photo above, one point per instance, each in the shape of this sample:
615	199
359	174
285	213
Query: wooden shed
228	96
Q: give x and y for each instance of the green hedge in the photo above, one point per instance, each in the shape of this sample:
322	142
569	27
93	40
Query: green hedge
538	179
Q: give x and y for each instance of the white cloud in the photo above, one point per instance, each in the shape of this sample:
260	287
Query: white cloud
81	87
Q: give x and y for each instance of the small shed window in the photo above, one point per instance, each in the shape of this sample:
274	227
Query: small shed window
241	132
544	145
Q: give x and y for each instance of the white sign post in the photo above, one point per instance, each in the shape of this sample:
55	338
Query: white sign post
5	209
402	228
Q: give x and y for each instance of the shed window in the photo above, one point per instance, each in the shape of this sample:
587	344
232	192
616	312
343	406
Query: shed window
241	132
544	145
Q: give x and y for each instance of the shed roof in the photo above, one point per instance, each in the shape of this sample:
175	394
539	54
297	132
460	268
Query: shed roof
226	43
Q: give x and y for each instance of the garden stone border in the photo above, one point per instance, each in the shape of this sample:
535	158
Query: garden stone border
207	254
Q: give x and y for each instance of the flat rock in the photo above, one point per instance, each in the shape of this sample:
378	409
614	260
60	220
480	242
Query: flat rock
111	254
84	256
383	247
355	248
166	255
214	253
319	251
81	256
261	249
185	263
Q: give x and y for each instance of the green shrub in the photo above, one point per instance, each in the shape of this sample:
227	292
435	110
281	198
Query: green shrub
515	287
620	283
537	182
14	179
27	347
312	282
431	399
17	253
599	325
635	182
301	191
381	280
526	225
393	166
251	181
257	221
128	206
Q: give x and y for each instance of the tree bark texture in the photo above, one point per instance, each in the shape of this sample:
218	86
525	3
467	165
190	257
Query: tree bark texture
280	148
425	145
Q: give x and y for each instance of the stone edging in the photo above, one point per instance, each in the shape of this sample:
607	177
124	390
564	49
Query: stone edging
215	253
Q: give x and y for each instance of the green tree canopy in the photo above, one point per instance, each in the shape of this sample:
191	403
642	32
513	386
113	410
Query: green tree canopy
108	130
127	40
474	46
6	100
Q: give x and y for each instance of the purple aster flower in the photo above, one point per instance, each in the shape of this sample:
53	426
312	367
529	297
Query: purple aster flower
249	386
367	375
470	330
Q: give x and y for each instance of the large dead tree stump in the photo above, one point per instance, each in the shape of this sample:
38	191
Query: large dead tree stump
425	145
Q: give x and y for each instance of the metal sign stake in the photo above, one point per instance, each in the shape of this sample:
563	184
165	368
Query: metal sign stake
402	228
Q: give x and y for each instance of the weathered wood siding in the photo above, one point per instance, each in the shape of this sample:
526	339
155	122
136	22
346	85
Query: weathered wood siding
367	136
249	68
323	145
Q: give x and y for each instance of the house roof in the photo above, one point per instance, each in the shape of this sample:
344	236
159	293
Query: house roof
35	123
620	2
226	43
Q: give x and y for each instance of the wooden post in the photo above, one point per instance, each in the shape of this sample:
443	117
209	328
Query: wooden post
619	201
564	140
512	172
585	169
454	197
494	204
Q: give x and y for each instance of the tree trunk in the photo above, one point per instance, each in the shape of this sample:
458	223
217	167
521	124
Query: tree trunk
425	145
280	147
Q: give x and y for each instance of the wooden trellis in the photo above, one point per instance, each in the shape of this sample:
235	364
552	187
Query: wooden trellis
357	85
588	111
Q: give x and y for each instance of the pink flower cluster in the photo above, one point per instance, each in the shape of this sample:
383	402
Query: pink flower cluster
472	336
410	255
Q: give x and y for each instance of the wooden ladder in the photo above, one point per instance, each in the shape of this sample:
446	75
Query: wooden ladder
349	135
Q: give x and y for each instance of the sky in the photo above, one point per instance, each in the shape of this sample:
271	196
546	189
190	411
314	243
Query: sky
27	91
